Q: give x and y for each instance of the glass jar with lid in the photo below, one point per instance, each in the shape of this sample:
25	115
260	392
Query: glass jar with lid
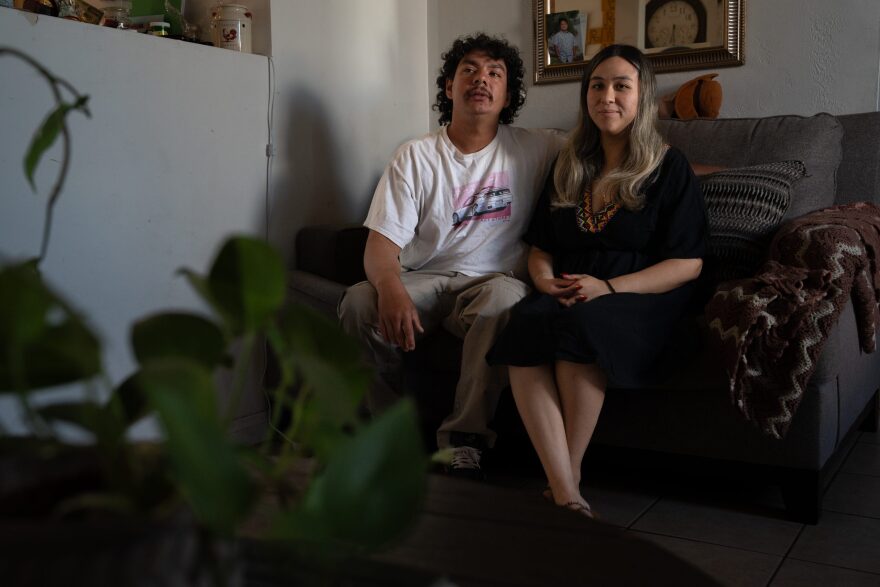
231	27
117	17
159	28
117	14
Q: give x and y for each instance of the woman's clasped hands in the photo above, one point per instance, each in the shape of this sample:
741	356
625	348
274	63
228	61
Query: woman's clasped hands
572	288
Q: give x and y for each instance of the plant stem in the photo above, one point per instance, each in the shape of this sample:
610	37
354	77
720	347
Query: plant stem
275	343
55	83
15	359
36	422
289	450
56	191
274	416
242	364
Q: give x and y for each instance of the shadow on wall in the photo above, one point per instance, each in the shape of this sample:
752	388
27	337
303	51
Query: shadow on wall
312	191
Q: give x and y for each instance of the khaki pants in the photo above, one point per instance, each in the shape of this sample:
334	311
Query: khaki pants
474	309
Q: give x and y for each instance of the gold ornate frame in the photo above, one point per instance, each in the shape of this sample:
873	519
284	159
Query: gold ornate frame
728	54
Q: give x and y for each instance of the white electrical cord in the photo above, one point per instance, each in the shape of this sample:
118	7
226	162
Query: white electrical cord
270	155
270	145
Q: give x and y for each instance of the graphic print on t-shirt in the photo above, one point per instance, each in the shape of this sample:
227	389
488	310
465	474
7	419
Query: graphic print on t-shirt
488	200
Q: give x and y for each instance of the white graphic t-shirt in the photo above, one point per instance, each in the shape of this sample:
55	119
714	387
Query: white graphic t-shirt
467	213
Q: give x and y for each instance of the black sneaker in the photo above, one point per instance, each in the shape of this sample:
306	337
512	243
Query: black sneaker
467	451
466	463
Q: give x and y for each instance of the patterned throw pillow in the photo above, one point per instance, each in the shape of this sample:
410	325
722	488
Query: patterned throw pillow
744	206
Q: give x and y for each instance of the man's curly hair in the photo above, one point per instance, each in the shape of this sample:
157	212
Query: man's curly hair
495	48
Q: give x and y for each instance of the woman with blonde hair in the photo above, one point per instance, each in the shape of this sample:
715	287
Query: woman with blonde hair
617	240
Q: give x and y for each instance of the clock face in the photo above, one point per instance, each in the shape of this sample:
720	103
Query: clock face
675	23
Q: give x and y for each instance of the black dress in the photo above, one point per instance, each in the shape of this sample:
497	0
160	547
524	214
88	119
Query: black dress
624	333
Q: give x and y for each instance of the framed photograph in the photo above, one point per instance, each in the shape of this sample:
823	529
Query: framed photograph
677	35
566	32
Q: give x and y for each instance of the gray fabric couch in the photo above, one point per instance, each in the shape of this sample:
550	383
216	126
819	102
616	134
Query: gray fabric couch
689	412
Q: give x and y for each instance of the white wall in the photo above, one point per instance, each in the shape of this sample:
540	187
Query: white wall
351	87
171	162
173	159
802	57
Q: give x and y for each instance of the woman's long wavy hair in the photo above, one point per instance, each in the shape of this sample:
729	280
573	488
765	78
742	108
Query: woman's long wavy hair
495	48
580	161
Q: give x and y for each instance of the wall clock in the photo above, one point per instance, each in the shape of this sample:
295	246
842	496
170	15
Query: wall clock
674	23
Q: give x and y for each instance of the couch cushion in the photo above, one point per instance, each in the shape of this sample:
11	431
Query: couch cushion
740	142
744	205
332	252
858	178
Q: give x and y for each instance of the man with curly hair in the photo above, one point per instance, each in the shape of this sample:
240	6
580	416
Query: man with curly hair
444	248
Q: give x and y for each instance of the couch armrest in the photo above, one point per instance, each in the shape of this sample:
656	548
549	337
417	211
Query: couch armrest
332	252
316	292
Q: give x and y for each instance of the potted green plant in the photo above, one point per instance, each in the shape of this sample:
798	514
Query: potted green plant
122	512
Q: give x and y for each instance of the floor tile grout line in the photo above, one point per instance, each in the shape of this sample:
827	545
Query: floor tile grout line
840	467
644	511
804	560
514	522
860	474
867	517
787	553
739	548
775	572
866	442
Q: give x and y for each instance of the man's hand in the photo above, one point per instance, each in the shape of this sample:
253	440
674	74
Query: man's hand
398	317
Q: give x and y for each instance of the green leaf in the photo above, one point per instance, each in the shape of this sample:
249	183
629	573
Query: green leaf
65	354
205	464
318	430
200	284
443	456
42	140
370	491
329	361
128	402
84	414
107	502
247	283
34	447
43	342
178	335
46	135
24	302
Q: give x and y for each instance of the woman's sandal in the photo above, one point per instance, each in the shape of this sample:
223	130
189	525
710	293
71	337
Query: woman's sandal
581	508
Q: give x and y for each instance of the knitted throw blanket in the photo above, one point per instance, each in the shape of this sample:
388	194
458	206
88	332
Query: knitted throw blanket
771	328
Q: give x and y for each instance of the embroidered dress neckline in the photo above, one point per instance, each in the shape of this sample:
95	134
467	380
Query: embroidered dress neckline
589	221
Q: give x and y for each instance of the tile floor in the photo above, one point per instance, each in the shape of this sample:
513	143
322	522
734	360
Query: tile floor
739	534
